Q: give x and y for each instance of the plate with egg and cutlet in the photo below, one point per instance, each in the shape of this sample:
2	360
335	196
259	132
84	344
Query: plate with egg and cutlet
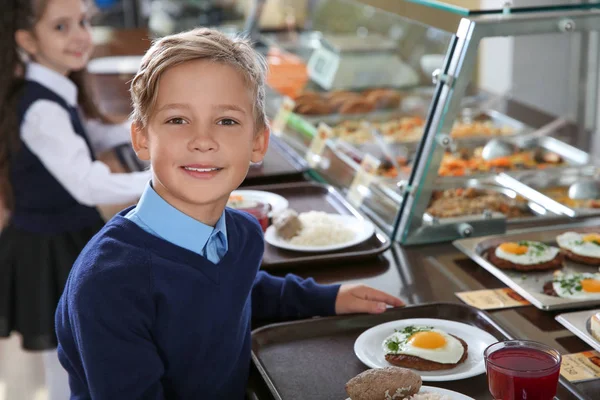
439	350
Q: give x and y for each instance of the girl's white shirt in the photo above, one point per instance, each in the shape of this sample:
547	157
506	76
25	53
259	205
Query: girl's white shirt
47	131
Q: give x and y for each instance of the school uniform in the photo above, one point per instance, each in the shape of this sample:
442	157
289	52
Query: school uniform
158	305
56	185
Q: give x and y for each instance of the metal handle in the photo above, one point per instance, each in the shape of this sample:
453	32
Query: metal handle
533	195
541	132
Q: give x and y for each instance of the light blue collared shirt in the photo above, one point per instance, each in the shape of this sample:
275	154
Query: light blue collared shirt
157	217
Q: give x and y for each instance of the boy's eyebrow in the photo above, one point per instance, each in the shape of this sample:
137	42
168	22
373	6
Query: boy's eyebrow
173	106
229	107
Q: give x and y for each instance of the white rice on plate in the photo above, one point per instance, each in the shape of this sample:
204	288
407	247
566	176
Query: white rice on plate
429	396
321	229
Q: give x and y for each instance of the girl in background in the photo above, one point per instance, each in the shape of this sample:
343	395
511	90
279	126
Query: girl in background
50	130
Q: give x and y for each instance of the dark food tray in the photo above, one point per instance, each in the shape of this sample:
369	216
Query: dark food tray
313	359
307	196
280	165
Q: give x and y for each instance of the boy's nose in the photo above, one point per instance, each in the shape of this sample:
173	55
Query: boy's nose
203	141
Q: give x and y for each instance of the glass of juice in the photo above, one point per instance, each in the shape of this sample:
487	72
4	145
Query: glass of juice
522	370
259	210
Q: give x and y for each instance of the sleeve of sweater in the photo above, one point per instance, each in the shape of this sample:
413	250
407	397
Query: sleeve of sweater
110	314
291	297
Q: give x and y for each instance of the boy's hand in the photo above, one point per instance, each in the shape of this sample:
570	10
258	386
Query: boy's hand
363	299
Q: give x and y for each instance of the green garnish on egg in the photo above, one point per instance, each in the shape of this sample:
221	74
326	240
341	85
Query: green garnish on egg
394	344
571	284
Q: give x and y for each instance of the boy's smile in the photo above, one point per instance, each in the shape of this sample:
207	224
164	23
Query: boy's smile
201	171
201	137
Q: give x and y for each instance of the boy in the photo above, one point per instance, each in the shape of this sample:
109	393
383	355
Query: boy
158	305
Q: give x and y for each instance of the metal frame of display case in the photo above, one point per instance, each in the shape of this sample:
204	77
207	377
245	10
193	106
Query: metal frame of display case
465	28
451	82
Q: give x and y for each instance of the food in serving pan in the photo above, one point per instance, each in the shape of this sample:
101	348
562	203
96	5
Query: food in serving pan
561	195
317	228
478	128
469	162
580	247
384	383
580	286
424	348
410	129
287	72
346	102
526	256
595	326
358	131
470	201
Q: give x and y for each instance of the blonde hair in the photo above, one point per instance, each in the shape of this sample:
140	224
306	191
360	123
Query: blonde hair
198	44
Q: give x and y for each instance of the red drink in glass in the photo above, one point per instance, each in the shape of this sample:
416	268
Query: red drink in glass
259	210
522	370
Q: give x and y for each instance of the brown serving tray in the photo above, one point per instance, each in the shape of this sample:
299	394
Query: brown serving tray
313	359
307	196
280	165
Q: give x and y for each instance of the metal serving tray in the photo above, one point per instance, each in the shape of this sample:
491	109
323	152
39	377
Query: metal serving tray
390	188
540	182
530	284
498	119
535	209
573	157
579	324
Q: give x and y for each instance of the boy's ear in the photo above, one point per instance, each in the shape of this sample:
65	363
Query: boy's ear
139	140
260	145
26	41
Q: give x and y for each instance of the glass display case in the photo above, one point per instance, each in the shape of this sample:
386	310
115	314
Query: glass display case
382	100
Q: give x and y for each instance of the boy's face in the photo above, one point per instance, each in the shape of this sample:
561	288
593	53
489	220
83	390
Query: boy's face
201	137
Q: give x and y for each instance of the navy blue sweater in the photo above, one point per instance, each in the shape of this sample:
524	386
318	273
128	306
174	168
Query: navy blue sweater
142	318
42	204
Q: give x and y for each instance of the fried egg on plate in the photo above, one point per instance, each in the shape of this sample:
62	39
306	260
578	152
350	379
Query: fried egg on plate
582	244
425	342
582	286
526	252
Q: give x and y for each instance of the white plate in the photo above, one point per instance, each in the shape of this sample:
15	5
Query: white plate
368	347
277	202
450	393
362	229
115	65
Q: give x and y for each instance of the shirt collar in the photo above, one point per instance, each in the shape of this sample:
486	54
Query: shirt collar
174	226
59	84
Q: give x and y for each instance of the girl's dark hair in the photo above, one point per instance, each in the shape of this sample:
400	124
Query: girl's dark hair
24	14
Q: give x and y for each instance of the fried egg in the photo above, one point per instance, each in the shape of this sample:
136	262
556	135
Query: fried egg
526	252
577	285
582	244
425	342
